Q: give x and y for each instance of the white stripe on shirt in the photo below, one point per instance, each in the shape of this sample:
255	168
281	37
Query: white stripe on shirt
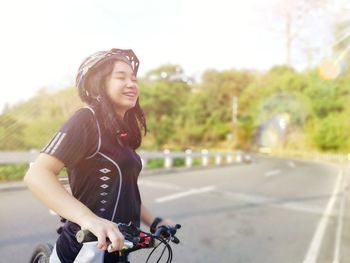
48	148
58	143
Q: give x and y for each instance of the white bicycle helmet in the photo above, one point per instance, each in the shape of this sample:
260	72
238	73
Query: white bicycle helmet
96	59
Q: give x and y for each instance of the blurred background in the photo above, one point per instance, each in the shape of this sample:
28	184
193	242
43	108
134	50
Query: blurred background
219	75
253	78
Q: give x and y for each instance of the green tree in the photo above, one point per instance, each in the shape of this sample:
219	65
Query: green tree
332	133
212	104
11	133
279	91
164	94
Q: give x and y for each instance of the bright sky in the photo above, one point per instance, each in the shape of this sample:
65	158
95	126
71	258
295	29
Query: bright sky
43	42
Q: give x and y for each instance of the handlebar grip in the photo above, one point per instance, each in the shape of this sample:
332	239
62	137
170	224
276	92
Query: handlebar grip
85	235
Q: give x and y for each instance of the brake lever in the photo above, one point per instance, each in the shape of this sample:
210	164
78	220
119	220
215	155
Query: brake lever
175	240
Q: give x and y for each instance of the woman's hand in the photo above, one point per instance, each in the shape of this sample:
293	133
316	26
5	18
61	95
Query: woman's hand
166	222
104	229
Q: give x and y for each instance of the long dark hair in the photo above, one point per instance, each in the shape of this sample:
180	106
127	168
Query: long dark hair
127	130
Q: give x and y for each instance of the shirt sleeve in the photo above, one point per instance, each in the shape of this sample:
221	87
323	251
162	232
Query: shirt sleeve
76	140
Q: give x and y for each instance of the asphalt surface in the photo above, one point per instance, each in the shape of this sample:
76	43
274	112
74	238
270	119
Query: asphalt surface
272	210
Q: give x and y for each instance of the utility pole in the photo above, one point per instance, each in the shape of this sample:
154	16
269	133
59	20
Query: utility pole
234	116
289	39
234	110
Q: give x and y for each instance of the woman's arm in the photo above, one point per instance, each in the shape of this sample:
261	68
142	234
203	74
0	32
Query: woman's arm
42	181
147	218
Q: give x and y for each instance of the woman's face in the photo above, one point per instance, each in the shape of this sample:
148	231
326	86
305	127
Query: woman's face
122	88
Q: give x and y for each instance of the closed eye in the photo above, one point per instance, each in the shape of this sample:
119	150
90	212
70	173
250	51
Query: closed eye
122	76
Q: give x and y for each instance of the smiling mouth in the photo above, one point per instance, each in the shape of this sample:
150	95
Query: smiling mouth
130	94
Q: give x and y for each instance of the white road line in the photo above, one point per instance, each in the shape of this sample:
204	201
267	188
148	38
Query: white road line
337	245
254	199
272	202
273	172
303	208
312	254
186	193
291	164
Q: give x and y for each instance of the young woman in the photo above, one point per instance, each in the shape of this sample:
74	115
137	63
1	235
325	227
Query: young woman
97	145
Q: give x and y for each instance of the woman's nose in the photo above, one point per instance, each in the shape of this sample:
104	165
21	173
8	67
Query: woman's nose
131	83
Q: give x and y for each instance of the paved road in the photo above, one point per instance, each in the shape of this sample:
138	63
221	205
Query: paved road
272	211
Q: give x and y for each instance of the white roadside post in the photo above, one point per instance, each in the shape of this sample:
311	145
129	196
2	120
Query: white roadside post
189	160
229	158
239	157
204	157
218	159
168	162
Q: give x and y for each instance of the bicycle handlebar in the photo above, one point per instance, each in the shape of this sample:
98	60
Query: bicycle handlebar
135	238
85	235
168	232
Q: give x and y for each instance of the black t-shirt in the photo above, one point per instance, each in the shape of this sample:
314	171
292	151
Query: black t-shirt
102	173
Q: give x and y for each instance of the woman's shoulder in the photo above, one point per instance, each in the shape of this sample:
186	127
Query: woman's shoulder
82	117
85	113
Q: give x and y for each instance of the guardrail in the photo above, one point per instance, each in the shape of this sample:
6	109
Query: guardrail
206	157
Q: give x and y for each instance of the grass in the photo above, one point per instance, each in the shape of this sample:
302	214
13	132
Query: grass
16	172
13	172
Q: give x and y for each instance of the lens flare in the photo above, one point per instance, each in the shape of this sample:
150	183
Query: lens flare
270	137
332	67
329	69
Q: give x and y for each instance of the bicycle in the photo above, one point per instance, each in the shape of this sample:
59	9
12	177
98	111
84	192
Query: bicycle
135	239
